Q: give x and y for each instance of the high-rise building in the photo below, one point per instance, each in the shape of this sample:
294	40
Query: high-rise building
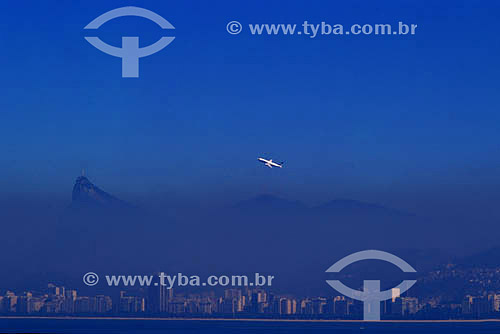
396	292
177	306
341	306
68	305
409	305
23	302
229	305
258	301
9	302
397	306
467	305
103	304
496	303
233	301
35	305
481	306
306	306
131	304
54	290
318	305
287	306
82	305
206	306
70	294
158	298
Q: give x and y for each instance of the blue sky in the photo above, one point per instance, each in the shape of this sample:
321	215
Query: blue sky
391	119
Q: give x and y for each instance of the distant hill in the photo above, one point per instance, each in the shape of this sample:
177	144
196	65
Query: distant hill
271	203
348	206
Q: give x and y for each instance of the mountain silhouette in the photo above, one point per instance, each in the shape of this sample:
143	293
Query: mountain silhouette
86	194
348	206
348	222
96	224
271	203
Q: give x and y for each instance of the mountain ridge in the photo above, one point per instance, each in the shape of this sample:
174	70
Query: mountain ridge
270	202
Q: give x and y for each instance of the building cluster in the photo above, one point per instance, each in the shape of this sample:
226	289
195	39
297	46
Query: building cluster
55	300
470	292
478	306
159	301
258	302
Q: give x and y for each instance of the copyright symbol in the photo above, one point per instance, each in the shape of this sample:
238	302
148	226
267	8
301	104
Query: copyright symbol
234	27
90	279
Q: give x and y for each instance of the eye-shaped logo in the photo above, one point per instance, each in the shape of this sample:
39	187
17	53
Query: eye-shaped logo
130	52
371	296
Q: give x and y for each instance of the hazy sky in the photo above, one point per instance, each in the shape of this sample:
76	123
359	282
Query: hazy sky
408	121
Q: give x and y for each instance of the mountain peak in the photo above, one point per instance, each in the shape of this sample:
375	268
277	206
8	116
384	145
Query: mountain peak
86	193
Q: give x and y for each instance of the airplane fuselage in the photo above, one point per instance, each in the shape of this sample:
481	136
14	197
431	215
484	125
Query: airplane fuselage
270	163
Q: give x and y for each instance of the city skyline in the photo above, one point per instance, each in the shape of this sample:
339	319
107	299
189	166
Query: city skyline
472	292
158	301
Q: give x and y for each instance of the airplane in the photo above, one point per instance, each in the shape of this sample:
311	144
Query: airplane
270	163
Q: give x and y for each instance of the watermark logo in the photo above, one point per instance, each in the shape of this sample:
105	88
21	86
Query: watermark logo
130	52
371	296
180	279
90	279
234	27
313	30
